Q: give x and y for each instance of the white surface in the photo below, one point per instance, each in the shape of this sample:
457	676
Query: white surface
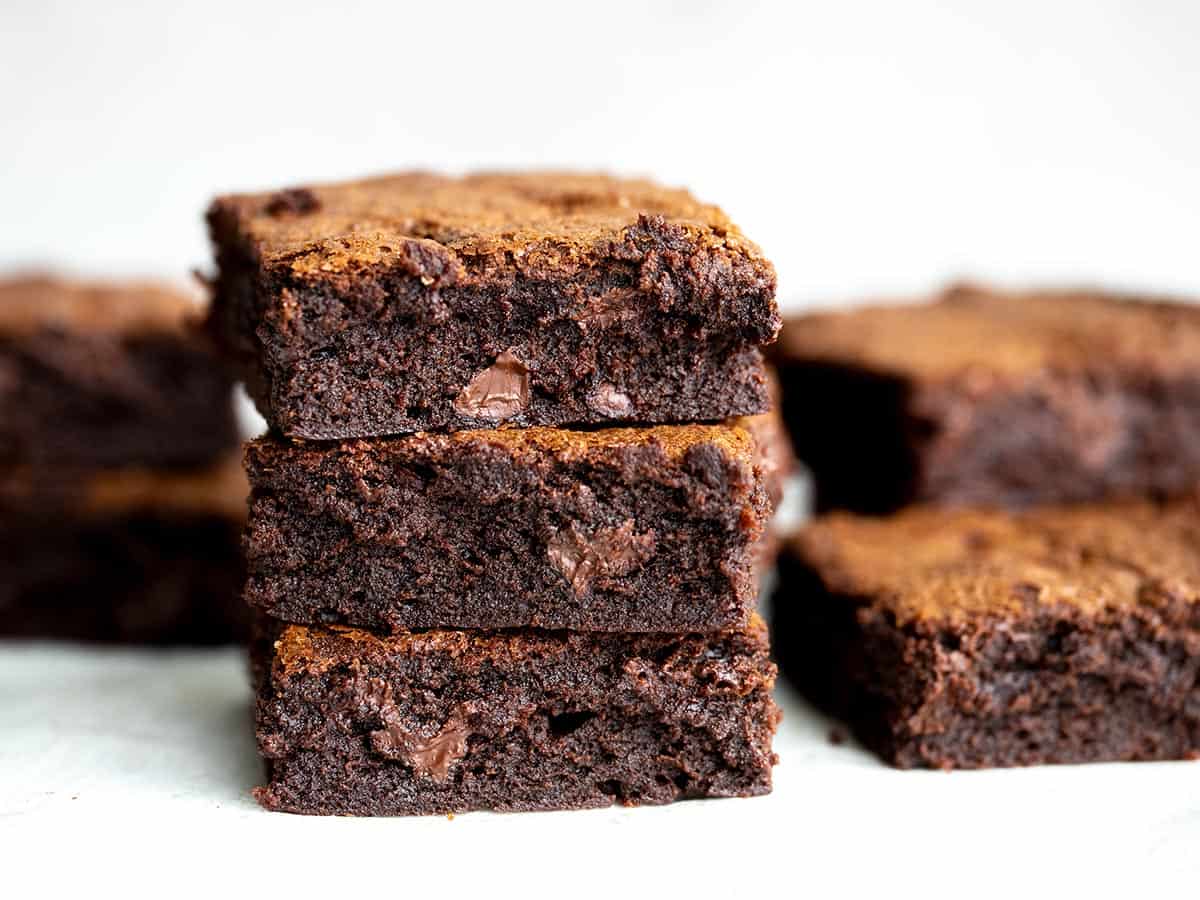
869	147
136	766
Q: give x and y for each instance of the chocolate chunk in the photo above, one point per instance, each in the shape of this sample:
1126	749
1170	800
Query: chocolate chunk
294	201
427	756
606	552
432	756
498	392
609	401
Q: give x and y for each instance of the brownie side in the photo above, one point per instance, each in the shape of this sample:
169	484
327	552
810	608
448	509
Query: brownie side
612	530
445	722
135	578
974	640
587	301
107	375
876	442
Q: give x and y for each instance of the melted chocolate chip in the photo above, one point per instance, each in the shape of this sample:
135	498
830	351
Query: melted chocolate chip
605	552
432	756
294	201
498	392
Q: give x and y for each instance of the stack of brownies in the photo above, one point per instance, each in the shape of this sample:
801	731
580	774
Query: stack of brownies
478	592
121	499
1027	587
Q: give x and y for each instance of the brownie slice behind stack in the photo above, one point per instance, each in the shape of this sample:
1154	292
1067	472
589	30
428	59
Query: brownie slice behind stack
121	502
108	374
990	398
968	638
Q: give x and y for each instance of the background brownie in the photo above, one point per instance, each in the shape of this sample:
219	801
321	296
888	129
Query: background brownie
418	302
648	529
987	398
954	638
450	721
107	375
133	556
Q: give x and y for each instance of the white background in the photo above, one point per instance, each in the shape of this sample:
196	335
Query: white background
868	147
871	148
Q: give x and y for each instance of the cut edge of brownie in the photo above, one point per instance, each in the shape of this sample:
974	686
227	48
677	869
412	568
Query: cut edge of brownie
643	530
660	321
451	721
1027	683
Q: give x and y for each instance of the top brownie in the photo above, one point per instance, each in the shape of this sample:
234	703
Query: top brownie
419	302
995	398
107	374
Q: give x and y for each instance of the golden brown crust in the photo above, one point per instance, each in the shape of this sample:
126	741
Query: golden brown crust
315	649
734	438
534	222
956	565
987	334
35	302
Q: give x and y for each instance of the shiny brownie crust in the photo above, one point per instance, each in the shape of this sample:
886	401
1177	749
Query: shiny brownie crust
416	302
450	721
612	530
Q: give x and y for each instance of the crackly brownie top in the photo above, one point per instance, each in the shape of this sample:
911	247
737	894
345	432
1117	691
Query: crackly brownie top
959	565
979	332
438	226
34	303
316	649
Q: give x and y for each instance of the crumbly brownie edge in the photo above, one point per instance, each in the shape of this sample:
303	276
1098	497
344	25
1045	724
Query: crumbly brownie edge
661	335
472	531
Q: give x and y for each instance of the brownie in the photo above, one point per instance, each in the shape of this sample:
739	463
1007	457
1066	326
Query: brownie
135	556
451	721
995	399
620	529
107	375
418	302
957	638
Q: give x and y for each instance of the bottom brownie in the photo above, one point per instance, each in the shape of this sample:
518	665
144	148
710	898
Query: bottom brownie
960	639
451	721
132	557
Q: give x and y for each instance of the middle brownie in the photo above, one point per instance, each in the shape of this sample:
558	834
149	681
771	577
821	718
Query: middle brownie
623	529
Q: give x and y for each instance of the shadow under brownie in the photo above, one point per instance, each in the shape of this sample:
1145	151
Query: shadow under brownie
986	398
452	721
967	639
417	302
647	529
